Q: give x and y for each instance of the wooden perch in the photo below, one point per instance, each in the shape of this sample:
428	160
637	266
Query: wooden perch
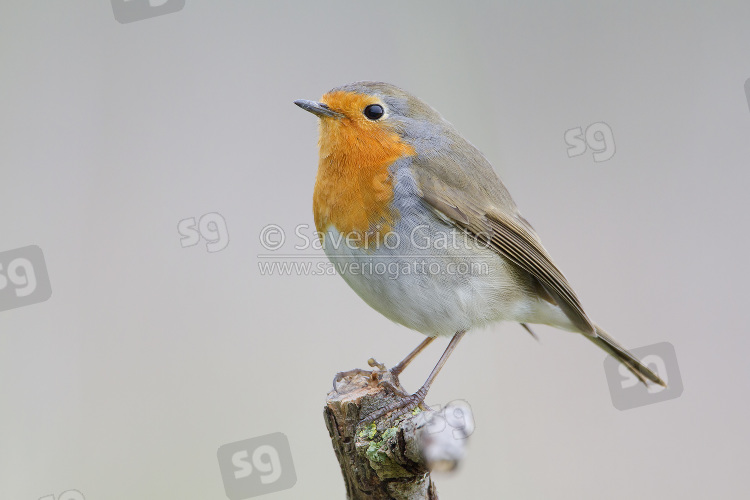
391	459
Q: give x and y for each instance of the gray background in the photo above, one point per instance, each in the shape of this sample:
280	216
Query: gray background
150	356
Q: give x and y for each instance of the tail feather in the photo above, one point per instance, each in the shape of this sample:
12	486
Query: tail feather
531	332
608	344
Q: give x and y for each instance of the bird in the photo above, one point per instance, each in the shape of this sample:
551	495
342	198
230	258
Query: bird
417	222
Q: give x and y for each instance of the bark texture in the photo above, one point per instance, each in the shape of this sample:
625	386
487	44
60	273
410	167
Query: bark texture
389	459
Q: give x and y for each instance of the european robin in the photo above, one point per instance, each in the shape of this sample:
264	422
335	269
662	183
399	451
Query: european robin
417	222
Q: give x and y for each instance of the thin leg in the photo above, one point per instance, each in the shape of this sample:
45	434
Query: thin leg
408	403
396	370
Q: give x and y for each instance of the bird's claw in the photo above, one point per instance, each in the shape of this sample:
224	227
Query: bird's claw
397	408
374	363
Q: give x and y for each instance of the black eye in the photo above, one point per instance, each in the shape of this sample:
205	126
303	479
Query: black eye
374	111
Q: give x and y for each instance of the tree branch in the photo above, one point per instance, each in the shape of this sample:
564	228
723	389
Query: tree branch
390	459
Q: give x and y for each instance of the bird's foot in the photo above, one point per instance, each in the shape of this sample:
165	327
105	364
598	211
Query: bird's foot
398	408
374	363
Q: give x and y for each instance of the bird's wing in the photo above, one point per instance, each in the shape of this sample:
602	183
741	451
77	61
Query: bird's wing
484	209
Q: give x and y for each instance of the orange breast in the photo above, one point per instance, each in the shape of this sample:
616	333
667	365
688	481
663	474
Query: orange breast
353	188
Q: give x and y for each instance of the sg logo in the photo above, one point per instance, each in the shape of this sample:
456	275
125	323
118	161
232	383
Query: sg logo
256	466
628	392
127	11
66	495
212	227
23	278
456	418
598	137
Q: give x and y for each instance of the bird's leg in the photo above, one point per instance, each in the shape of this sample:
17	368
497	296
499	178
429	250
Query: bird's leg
410	402
396	370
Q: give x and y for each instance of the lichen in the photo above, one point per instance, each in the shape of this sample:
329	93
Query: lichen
378	452
369	431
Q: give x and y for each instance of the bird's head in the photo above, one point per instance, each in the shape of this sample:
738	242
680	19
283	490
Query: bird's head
365	129
363	117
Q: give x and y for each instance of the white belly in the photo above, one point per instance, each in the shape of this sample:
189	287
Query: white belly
436	291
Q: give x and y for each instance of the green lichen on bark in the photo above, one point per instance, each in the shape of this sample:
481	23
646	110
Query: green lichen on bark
377	451
379	448
369	431
382	460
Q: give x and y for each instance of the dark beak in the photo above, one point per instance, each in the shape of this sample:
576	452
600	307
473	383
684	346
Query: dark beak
316	108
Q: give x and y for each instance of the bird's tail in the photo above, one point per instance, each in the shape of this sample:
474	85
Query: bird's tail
608	344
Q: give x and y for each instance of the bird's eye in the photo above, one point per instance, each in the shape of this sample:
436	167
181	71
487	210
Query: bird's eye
374	111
